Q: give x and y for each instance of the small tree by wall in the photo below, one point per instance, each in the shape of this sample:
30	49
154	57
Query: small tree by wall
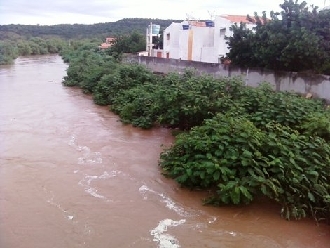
296	39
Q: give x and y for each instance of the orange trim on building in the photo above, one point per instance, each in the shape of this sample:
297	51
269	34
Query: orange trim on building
197	23
190	44
236	18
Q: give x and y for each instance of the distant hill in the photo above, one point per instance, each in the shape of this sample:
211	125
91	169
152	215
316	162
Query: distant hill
79	31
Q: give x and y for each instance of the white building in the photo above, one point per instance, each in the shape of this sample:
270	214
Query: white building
151	32
200	41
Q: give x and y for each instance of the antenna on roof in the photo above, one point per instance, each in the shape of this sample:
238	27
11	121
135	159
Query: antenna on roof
190	17
212	14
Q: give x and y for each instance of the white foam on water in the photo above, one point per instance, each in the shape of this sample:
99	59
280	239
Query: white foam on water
169	203
163	239
72	141
180	210
66	213
95	115
88	156
86	183
212	219
231	233
93	192
144	188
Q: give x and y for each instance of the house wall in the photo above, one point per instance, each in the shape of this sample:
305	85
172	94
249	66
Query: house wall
318	85
183	41
171	40
221	27
203	44
199	43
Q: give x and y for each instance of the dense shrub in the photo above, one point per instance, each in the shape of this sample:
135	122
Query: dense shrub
263	105
87	69
187	100
317	123
137	106
242	162
123	78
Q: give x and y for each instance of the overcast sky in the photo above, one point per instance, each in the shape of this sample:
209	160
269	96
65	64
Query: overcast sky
49	12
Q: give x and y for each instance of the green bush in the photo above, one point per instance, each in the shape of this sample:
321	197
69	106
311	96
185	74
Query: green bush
187	100
242	162
137	106
263	105
123	78
86	67
317	123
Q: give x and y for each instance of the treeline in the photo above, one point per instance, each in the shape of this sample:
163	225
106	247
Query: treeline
82	31
239	142
22	40
295	39
10	50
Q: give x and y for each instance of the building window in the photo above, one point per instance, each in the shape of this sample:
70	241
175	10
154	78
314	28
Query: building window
222	31
168	37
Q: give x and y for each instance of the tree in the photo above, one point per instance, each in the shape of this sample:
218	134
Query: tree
132	43
241	46
296	39
7	52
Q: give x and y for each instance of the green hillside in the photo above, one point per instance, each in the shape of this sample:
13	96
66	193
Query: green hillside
79	31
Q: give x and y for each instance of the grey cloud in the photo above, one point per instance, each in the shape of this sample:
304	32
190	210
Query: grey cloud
56	10
83	7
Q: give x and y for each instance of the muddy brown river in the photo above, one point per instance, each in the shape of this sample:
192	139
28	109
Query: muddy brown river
71	175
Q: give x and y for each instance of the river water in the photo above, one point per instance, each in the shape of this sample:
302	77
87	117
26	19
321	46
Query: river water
71	175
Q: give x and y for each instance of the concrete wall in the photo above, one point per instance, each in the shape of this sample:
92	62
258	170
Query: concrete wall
318	85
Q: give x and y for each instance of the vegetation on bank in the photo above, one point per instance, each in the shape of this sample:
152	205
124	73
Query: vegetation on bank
239	142
11	49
